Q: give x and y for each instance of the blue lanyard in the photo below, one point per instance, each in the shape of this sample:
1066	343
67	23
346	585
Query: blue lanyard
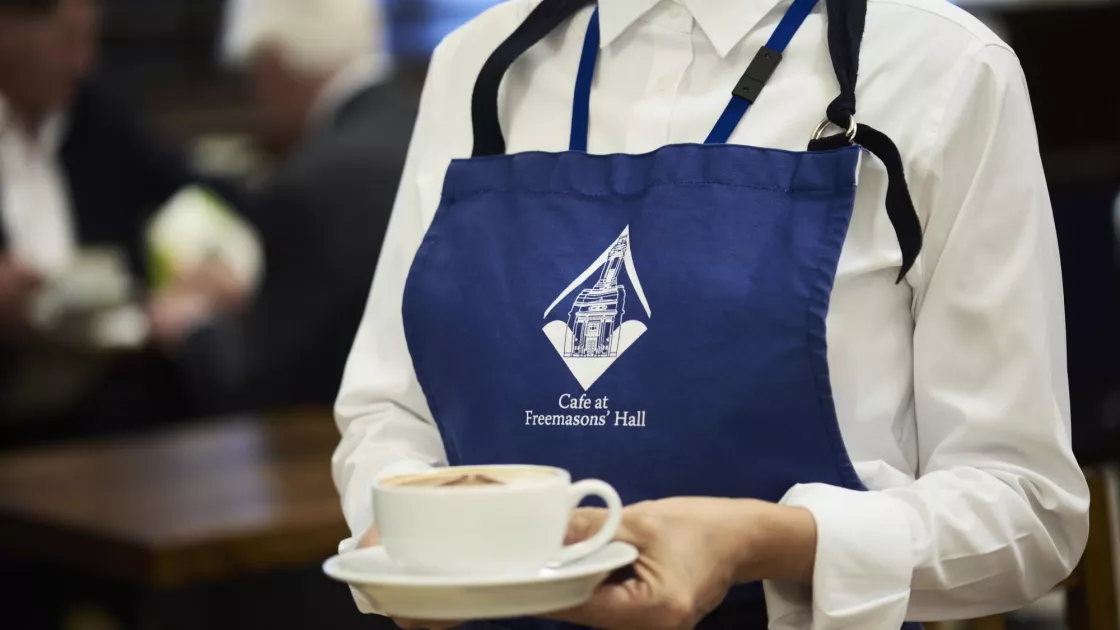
745	93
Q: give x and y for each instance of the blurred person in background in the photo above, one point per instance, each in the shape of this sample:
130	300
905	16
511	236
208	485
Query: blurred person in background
328	110
76	172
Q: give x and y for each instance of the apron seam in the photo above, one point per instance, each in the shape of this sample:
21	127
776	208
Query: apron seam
418	364
464	194
837	224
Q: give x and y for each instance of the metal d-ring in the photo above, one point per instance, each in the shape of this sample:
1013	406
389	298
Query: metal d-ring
850	133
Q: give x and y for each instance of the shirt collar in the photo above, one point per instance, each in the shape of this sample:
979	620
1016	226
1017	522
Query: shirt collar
5	115
725	22
47	141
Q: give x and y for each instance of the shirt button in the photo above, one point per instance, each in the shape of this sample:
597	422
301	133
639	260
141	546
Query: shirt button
676	11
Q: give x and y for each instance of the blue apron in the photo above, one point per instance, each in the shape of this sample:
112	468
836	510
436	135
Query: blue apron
656	321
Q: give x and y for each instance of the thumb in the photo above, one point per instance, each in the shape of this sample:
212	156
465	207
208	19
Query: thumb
409	624
26	275
31	278
369	538
584	523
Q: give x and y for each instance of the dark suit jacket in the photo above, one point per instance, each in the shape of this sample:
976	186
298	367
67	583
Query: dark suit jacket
322	218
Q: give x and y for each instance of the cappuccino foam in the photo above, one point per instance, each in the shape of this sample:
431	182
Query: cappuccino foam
468	477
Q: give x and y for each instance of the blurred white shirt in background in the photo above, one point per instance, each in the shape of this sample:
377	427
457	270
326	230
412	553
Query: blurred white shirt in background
34	199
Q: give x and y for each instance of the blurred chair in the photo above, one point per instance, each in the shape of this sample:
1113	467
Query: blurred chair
1092	589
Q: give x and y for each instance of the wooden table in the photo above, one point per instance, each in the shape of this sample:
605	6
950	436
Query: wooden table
202	502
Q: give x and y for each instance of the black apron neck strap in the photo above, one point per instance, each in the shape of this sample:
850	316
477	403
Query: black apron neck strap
548	15
846	21
845	37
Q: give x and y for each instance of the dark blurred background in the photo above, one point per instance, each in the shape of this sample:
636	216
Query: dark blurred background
165	425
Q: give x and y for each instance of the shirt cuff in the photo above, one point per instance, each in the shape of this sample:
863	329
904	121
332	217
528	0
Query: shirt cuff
864	563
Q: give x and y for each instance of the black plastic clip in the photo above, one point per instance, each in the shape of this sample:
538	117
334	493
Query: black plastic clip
757	74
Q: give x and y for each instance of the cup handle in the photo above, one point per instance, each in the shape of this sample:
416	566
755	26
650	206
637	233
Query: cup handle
580	491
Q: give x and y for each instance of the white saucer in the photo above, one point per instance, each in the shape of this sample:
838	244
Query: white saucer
398	593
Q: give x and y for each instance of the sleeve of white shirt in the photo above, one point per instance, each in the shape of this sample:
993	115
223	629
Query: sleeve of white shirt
998	514
381	412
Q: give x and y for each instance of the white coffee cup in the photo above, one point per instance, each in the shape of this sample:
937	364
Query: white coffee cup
515	528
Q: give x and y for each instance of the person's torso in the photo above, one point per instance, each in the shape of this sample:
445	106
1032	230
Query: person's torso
663	81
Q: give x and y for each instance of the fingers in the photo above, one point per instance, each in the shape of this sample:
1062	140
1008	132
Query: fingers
631	605
370	538
612	607
22	269
30	279
584	523
409	624
21	275
637	527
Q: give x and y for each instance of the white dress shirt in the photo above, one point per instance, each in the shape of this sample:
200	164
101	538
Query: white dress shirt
34	200
950	388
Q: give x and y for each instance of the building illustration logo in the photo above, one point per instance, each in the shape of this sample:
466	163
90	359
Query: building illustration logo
596	328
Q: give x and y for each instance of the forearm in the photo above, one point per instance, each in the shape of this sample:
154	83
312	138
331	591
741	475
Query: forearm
960	543
772	542
387	439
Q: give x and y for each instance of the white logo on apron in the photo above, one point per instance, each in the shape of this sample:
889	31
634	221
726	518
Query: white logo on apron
595	332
